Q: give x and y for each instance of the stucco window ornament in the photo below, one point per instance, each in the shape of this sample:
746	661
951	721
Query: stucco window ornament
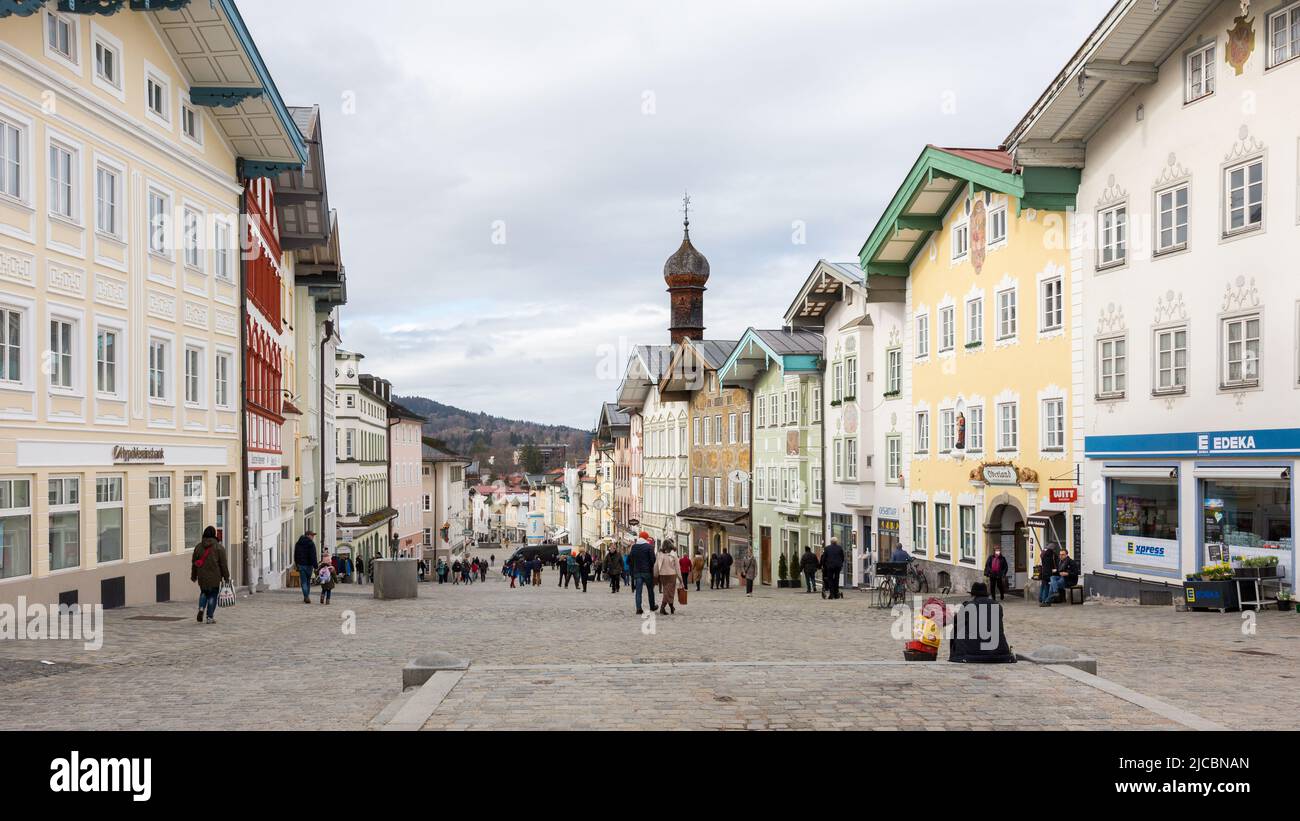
1111	194
1172	172
1170	307
1240	294
1245	146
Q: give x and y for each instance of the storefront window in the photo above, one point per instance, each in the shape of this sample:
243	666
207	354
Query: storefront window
223	505
65	523
193	489
1248	516
15	528
160	514
1147	509
108	518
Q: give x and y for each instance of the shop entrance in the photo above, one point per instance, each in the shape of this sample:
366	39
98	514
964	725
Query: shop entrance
765	554
1005	528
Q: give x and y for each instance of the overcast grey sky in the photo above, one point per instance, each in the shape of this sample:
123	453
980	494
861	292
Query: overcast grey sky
570	129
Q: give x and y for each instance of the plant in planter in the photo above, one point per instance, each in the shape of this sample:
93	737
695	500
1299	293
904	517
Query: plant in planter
782	573
1212	589
1262	567
1284	601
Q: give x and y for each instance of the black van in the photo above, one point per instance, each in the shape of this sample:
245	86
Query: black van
548	553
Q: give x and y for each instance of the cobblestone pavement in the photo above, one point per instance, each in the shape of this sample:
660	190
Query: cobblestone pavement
779	659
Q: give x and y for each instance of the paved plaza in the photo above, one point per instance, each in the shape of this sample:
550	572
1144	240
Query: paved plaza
779	660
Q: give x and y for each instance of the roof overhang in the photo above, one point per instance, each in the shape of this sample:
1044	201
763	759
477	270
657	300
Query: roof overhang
821	289
1124	52
684	374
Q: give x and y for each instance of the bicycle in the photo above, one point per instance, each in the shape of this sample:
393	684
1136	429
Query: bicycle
893	585
917	581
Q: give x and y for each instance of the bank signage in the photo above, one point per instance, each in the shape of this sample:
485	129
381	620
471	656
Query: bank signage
1268	442
1159	554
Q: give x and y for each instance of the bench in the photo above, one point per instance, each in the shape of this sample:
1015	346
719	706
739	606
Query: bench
1070	594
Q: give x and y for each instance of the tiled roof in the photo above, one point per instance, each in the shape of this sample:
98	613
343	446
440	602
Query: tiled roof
992	157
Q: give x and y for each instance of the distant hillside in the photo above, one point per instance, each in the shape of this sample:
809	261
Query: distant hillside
480	435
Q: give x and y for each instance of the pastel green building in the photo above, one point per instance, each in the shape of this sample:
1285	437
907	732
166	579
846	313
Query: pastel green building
783	372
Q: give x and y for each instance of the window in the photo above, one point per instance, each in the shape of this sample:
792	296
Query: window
817	480
997	225
1008	428
63	170
108	61
943	530
221	386
1006	314
893	459
349	443
1171	219
61	37
760	405
717	491
922	432
108	201
11	160
1199	71
1144	508
15	528
785	485
159	350
1284	35
974	322
191	125
850	381
966	522
1053	317
1244	197
1053	424
922	336
760	489
159	222
894	377
1241	351
65	522
191	224
731	493
947	328
11	345
193	492
947	430
975	429
920	541
733	435
155	95
697	497
1171	360
160	514
708	493
193	375
108	519
106	361
851	459
744	428
61	347
1112	367
350	506
960	241
1112	239
839	460
839	382
221	251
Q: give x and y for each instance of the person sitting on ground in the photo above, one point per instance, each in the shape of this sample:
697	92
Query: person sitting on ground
977	636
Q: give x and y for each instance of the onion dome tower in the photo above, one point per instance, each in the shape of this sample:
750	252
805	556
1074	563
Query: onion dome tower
687	273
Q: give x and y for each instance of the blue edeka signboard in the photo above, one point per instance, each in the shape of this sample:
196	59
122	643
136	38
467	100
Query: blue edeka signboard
1273	442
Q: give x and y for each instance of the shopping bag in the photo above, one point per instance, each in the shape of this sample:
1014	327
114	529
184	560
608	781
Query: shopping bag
226	598
681	595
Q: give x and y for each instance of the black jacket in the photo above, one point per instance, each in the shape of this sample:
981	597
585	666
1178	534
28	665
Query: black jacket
724	561
833	558
1068	568
304	552
808	562
714	563
978	636
642	559
1047	561
613	564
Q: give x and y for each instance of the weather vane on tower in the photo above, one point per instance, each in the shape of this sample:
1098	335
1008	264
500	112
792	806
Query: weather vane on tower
686	211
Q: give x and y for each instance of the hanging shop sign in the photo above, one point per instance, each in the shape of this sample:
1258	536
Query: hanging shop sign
1064	495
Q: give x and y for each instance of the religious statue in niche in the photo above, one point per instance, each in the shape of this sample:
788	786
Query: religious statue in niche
961	431
1241	43
978	226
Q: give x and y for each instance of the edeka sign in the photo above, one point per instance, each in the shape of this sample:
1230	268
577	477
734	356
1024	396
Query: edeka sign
1269	442
1159	554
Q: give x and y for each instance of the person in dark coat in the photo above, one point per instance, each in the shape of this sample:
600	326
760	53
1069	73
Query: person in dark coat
1067	575
978	637
809	566
641	561
209	567
724	569
304	556
715	561
1046	570
832	564
995	570
613	568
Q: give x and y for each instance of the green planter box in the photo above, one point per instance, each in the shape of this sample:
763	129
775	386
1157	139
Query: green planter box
1221	596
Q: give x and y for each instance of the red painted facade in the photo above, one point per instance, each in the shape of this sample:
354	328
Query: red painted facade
262	287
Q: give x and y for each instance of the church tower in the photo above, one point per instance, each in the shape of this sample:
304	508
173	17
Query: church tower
686	272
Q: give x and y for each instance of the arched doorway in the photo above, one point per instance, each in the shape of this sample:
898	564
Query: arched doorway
1005	528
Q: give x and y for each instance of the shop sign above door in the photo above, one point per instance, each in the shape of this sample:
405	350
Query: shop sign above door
1000	475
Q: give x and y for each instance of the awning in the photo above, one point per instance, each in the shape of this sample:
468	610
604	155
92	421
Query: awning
1140	471
714	515
1274	473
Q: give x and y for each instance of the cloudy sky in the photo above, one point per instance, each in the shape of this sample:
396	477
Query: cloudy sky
509	174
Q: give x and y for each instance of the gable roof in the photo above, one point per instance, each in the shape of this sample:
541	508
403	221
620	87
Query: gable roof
822	288
792	349
684	372
644	367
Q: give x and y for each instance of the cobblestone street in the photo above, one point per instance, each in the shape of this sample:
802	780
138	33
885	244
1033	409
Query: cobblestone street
782	659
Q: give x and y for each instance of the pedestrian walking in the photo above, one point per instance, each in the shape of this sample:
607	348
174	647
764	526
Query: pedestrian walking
304	556
832	565
420	566
209	567
584	570
995	570
715	561
748	571
684	563
613	568
571	567
482	571
724	568
455	572
666	572
597	566
328	575
809	566
563	564
627	569
535	566
697	568
641	560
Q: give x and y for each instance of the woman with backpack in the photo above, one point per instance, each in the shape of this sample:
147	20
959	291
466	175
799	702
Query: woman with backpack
327	574
209	568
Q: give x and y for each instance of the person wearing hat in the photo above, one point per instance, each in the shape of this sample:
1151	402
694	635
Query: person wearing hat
304	556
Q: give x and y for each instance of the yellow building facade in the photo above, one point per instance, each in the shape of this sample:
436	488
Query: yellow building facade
982	386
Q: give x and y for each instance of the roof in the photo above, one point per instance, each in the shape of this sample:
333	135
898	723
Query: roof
645	366
788	341
693	359
399	410
793	350
714	514
433	453
823	287
1124	51
994	158
713	351
612	420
